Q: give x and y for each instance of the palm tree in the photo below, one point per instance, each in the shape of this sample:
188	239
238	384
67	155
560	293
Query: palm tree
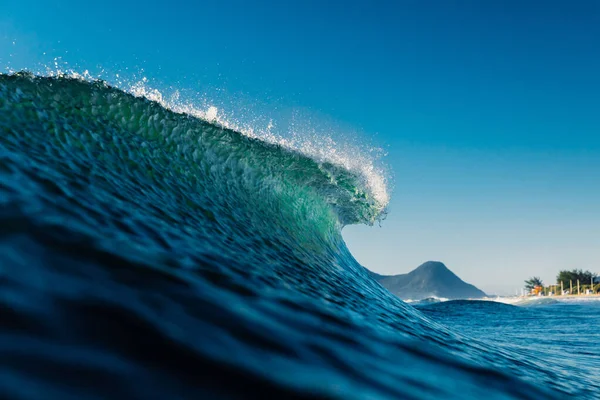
532	282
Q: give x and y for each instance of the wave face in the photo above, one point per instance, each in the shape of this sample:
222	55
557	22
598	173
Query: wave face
150	254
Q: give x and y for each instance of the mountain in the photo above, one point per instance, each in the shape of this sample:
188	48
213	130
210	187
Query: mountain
431	279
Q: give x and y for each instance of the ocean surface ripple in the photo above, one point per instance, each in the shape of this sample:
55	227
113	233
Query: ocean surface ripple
146	253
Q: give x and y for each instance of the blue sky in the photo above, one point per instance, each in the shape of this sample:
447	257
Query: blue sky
490	113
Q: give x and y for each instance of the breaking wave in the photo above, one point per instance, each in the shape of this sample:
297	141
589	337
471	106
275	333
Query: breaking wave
151	250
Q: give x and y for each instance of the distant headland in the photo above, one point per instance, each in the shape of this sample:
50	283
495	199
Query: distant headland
431	279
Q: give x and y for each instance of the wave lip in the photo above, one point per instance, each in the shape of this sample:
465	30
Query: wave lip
323	150
353	187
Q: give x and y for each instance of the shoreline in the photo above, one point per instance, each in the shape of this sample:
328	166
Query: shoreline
527	299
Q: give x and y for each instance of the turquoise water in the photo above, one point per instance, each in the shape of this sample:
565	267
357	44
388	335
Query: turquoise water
146	253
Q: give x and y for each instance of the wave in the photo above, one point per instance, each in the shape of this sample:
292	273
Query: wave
426	301
140	244
474	304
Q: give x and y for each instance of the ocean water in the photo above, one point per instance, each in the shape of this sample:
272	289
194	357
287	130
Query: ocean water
562	334
147	253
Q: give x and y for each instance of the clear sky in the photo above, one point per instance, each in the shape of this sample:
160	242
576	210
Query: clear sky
490	111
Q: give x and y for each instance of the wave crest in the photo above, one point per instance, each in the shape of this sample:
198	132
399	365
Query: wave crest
353	186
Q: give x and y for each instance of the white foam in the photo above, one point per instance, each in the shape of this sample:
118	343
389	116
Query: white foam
518	300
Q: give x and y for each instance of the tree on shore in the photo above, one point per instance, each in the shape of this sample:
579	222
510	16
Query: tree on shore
584	277
532	282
